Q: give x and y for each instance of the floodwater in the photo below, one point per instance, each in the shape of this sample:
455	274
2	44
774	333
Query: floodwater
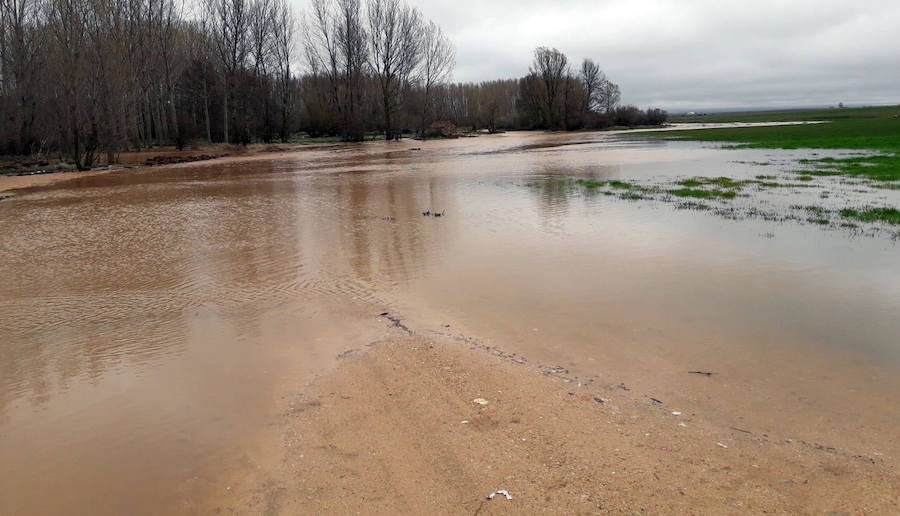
151	320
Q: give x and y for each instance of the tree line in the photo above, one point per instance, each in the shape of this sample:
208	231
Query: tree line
88	79
553	96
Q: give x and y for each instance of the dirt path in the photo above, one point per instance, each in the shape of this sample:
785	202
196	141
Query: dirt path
395	430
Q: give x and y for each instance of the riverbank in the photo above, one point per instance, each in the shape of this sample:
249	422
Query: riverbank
433	425
16	182
157	157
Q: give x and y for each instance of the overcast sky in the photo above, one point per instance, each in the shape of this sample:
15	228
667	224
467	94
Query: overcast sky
691	54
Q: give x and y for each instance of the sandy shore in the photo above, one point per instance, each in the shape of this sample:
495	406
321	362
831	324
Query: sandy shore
394	430
134	161
8	183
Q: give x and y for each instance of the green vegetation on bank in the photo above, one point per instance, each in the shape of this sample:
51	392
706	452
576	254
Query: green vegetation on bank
874	129
789	115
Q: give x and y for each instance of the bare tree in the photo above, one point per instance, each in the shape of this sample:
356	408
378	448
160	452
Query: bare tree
496	104
550	66
20	54
170	38
228	20
67	21
262	51
283	27
395	37
593	80
611	96
336	47
438	60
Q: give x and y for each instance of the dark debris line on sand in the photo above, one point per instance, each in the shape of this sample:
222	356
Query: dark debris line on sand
397	322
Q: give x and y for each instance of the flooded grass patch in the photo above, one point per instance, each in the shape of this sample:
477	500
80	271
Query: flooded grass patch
815	210
632	196
692	205
879	167
587	183
721	182
803	191
621	185
713	195
888	215
703	194
613	184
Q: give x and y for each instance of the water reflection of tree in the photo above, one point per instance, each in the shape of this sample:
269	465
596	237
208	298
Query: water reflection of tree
554	187
152	250
552	194
381	237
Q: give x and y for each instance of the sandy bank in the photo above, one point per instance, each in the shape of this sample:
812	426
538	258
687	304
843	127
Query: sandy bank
394	430
8	183
161	158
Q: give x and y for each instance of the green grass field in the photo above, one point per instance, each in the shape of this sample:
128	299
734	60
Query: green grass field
792	115
865	129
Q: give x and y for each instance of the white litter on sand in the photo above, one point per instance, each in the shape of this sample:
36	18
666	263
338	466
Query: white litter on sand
503	492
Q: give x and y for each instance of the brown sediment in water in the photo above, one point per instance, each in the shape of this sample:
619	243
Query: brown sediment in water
161	323
394	430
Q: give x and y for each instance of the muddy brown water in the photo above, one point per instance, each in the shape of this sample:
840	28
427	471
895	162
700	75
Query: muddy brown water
152	319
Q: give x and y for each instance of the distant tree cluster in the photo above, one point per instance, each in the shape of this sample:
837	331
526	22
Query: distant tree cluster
88	79
377	66
552	96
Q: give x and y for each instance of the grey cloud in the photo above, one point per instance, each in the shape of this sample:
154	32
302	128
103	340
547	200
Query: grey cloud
701	54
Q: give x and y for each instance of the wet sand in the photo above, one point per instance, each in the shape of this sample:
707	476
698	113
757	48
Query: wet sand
8	183
394	430
134	161
188	339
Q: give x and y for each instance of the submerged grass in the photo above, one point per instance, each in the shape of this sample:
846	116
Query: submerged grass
620	185
692	205
703	194
690	194
722	182
888	215
587	183
631	196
